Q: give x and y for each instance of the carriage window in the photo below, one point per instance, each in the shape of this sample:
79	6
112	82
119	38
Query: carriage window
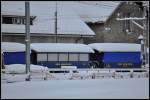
63	57
73	57
84	57
52	57
41	57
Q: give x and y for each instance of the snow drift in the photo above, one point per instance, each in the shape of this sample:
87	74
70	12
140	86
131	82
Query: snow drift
21	68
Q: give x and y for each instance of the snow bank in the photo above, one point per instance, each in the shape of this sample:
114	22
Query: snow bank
61	47
133	88
12	47
116	47
21	68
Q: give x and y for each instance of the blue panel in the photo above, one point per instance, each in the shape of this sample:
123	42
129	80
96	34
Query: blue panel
80	64
14	58
122	59
110	57
55	64
50	64
122	65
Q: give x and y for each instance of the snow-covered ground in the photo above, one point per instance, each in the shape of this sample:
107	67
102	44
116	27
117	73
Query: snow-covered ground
137	88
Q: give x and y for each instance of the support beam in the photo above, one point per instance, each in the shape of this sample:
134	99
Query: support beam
140	26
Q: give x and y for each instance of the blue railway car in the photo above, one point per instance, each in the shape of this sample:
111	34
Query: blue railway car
13	53
57	55
116	55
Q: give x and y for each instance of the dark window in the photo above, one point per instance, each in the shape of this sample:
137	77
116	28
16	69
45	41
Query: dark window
7	20
16	20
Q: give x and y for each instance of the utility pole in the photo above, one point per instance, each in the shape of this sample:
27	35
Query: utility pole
27	40
56	23
144	36
148	31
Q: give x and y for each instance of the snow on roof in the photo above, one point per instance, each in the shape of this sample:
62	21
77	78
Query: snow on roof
44	23
140	37
61	47
12	47
94	11
116	47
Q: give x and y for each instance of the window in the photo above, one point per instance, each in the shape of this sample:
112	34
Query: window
63	57
16	20
41	57
52	57
84	57
7	20
73	57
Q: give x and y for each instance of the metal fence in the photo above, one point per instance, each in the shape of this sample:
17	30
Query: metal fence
72	74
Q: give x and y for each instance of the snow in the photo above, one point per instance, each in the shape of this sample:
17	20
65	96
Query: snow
140	37
21	68
44	22
133	88
116	47
61	47
71	16
94	11
12	47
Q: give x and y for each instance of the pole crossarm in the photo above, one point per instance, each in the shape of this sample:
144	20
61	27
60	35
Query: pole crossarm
130	18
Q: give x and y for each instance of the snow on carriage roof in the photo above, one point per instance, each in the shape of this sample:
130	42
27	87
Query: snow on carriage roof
61	47
44	23
116	47
12	47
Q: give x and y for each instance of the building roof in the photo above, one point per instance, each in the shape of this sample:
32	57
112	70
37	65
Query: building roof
44	22
94	11
72	16
116	47
61	47
12	47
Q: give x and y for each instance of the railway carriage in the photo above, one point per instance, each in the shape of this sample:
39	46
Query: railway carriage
59	55
116	55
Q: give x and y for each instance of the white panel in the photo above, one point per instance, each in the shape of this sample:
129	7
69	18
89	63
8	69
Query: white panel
73	57
41	57
63	57
52	57
84	57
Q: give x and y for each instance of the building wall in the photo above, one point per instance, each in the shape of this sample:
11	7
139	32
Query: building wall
118	31
98	28
41	39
